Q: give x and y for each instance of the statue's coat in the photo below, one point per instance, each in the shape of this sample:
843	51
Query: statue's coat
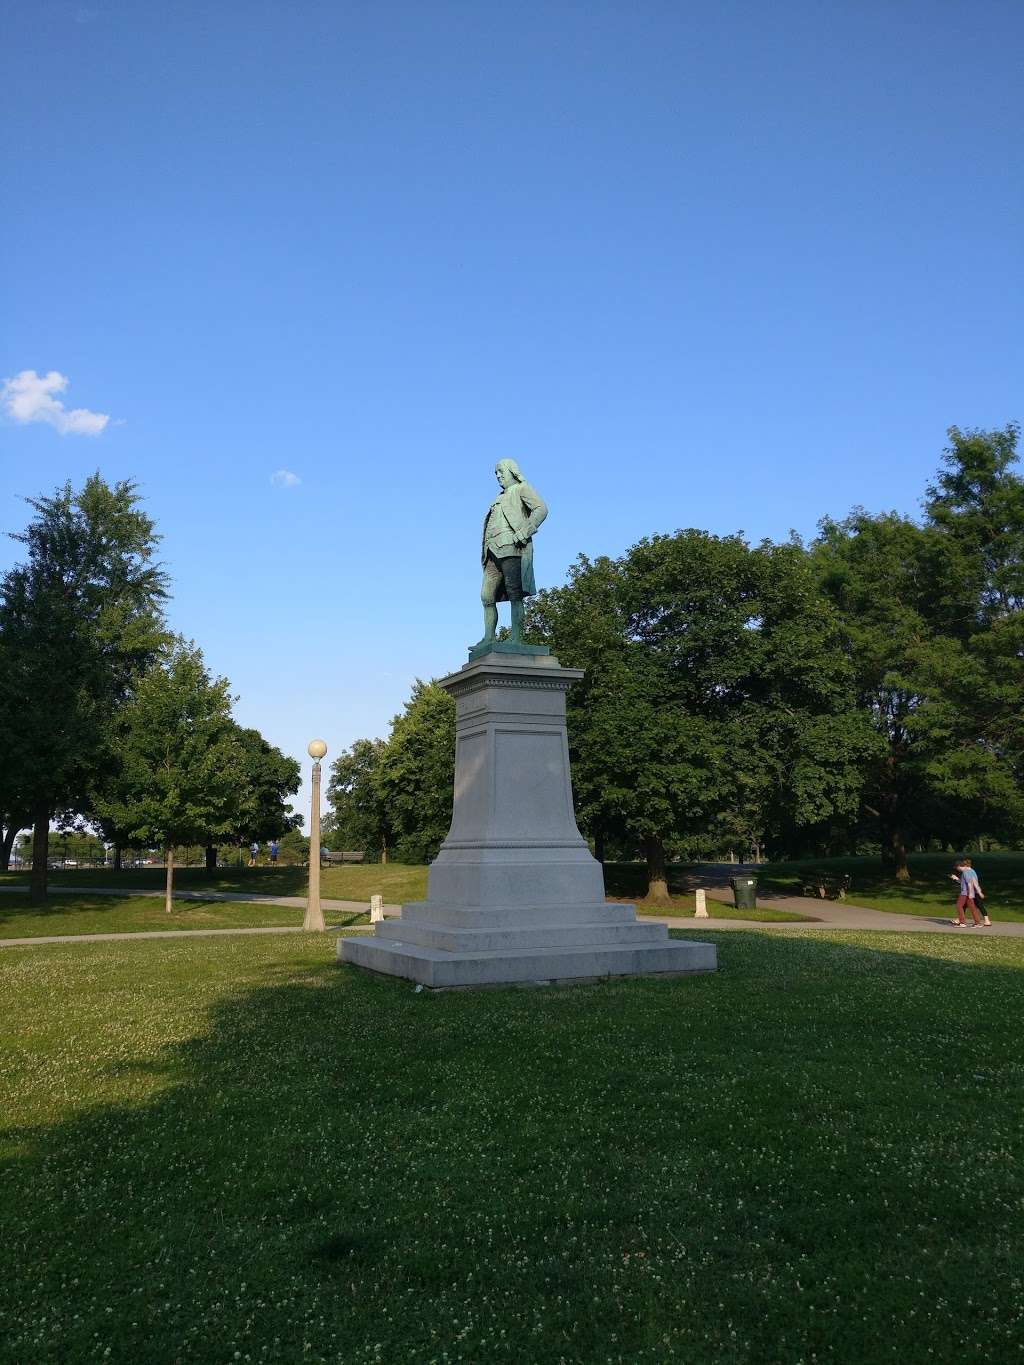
523	509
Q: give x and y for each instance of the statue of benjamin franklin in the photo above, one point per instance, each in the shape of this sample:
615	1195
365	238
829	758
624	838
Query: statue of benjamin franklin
507	549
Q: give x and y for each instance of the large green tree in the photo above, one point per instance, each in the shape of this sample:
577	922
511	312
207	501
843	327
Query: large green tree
80	620
264	779
415	778
970	719
14	815
717	701
932	614
884	576
267	777
393	797
357	818
977	502
176	763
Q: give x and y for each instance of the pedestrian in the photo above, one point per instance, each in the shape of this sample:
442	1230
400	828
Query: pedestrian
273	853
970	892
254	853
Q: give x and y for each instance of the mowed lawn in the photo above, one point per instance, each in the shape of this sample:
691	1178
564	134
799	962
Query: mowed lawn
929	892
233	1149
396	882
86	914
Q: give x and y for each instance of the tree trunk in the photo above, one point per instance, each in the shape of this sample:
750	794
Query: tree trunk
894	853
384	853
169	856
40	856
657	876
599	845
211	858
6	844
118	853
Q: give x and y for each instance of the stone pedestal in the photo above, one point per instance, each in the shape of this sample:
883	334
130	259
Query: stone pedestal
515	894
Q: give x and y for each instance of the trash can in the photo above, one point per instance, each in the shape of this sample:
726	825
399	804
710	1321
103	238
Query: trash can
744	892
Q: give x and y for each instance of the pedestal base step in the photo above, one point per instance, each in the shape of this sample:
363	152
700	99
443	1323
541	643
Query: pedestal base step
446	970
448	916
501	938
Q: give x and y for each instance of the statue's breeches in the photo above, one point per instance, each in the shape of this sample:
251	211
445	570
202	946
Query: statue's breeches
502	580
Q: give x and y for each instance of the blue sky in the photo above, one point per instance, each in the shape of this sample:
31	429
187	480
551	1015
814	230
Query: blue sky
728	265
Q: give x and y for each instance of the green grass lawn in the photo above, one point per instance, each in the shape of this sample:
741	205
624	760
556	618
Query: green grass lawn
396	882
236	1150
86	914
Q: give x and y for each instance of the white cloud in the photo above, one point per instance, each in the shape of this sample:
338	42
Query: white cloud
30	397
284	478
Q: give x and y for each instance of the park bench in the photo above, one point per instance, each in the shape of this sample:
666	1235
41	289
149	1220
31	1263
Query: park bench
822	886
348	857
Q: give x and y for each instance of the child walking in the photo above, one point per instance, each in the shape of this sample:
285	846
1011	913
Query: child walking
970	891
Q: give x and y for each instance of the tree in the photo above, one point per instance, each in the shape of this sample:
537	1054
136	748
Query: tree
932	615
14	815
294	847
884	575
267	778
971	714
394	796
717	699
177	760
414	780
977	502
79	621
358	819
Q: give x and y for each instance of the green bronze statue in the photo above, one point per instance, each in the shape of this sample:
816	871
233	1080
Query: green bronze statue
507	551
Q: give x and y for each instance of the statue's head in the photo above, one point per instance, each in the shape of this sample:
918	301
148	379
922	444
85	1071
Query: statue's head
508	472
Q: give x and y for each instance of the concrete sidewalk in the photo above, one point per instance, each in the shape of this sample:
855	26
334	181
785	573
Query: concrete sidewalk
834	915
846	918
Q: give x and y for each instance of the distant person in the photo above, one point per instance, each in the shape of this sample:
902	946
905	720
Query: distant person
273	852
970	893
254	853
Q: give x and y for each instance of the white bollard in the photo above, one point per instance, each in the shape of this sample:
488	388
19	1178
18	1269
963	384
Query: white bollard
376	909
701	911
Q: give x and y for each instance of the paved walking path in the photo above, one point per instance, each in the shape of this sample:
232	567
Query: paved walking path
838	915
845	917
826	915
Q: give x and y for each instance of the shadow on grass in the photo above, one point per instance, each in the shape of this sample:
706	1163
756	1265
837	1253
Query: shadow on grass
355	881
90	914
327	1165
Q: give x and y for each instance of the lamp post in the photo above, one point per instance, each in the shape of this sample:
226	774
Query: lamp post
314	915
